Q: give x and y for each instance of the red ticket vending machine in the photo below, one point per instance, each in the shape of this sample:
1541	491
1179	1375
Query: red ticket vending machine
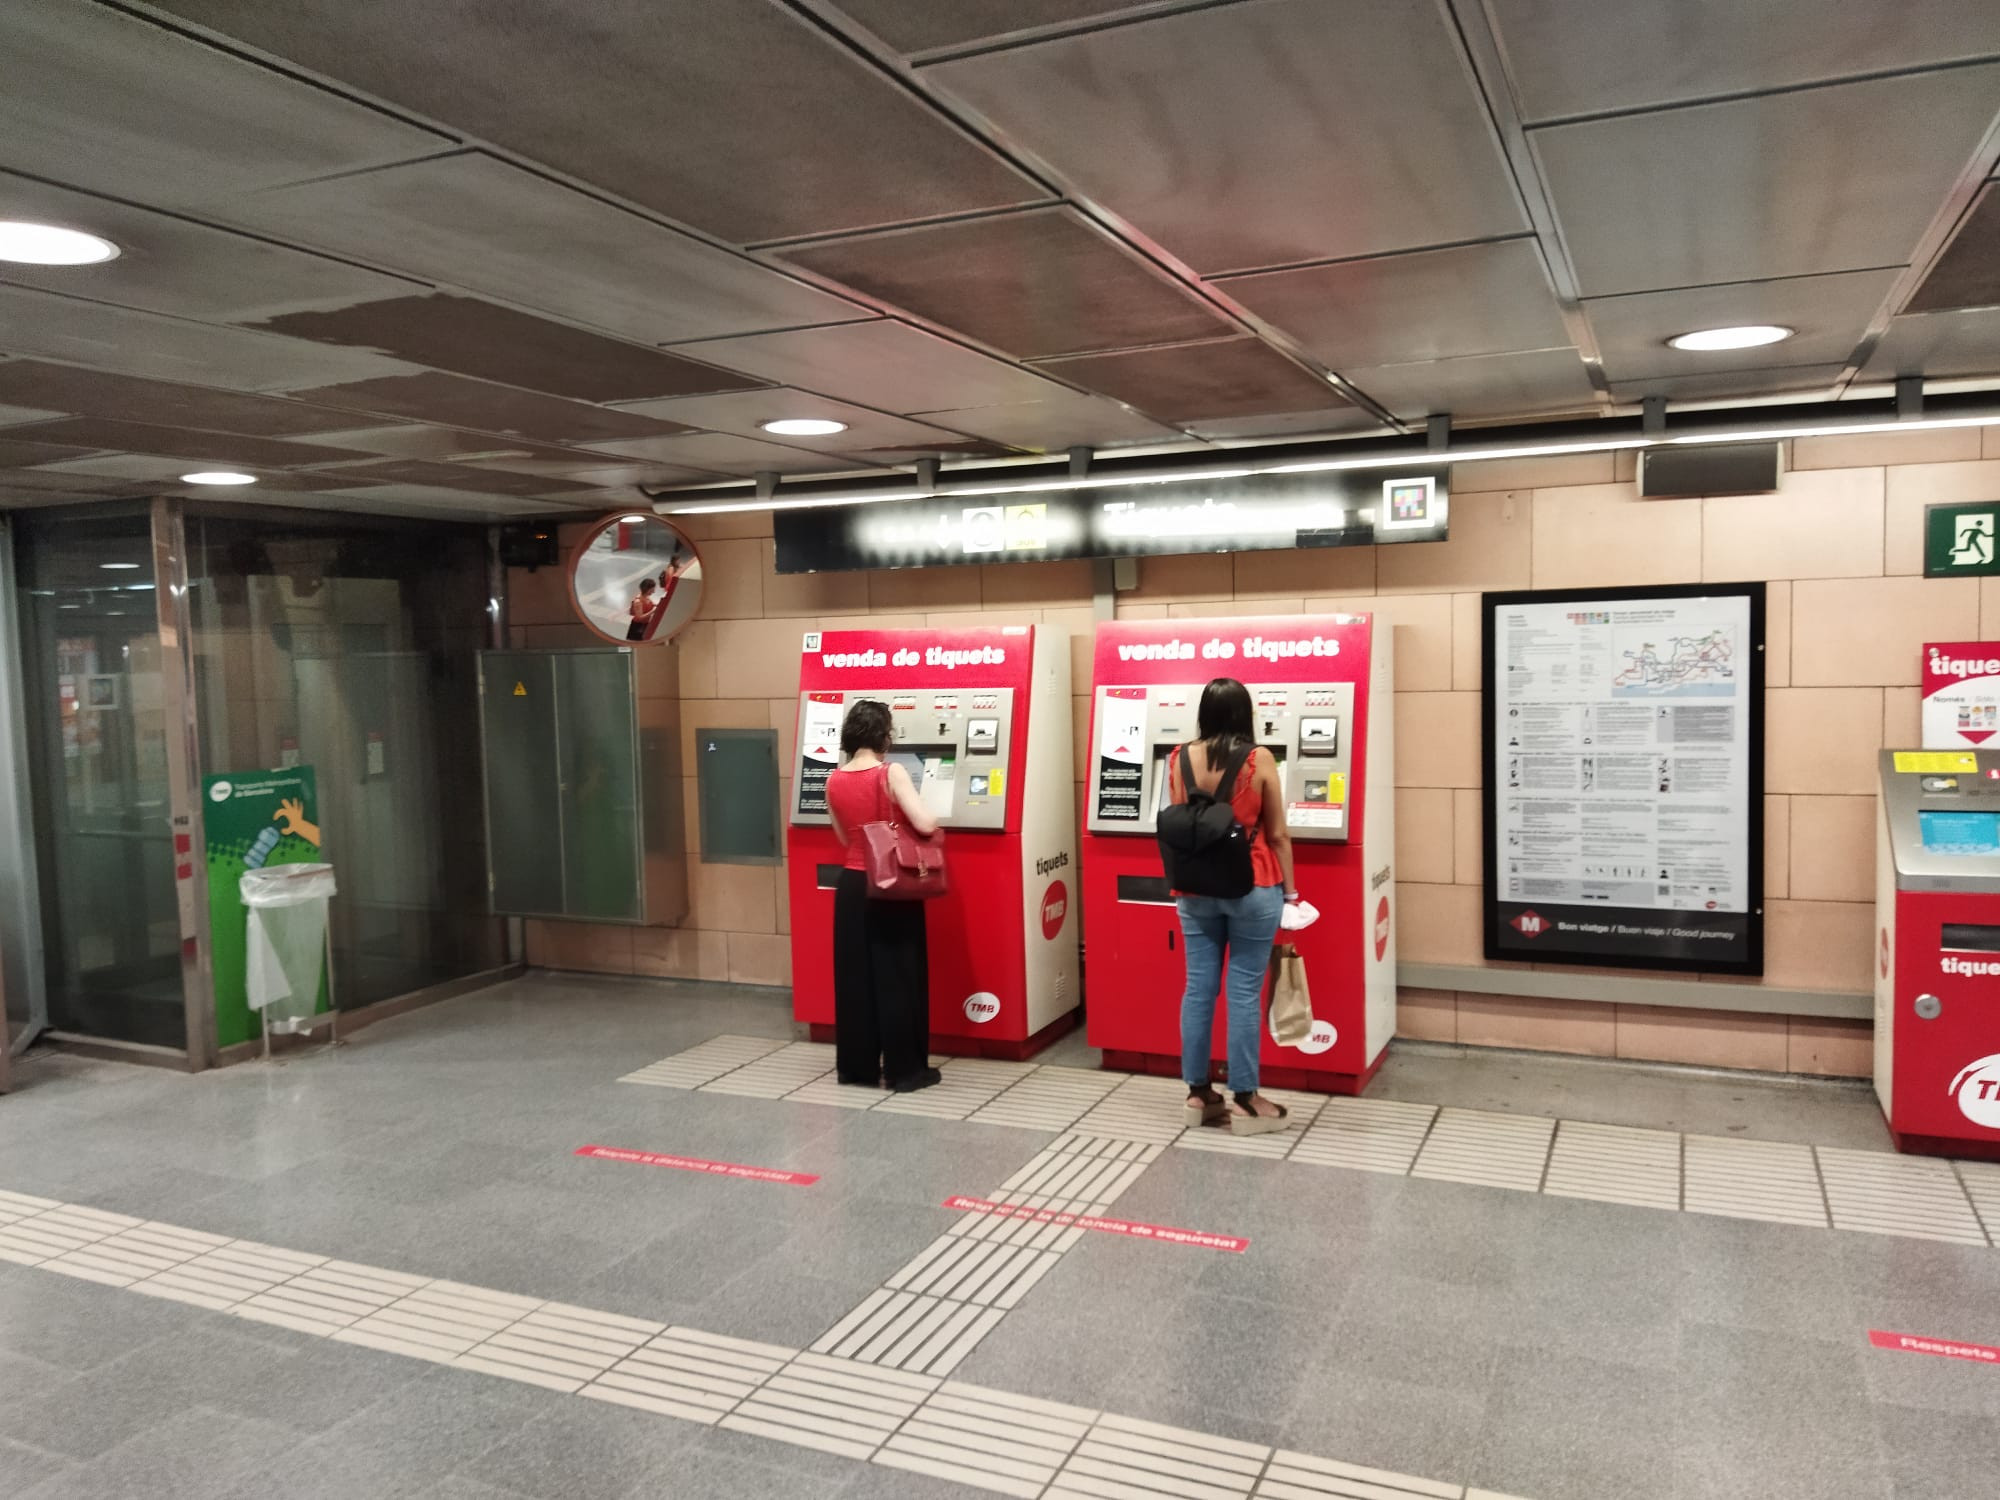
1937	967
1321	689
982	722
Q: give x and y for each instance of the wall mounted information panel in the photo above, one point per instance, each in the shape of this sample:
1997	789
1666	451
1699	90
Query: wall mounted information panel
1624	777
1239	513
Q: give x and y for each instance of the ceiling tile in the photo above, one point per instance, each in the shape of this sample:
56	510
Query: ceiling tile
409	441
1829	179
162	475
1471	299
172	265
490	342
107	102
1536	383
1069	420
25	455
1830	313
885	364
725	453
1031	284
626	476
1968	273
149	344
1339	419
1575	57
742	119
452	400
452	477
741	412
922	25
217	448
1938	344
422	500
14	416
47	485
1238	377
1260	133
96	393
475	222
1723	385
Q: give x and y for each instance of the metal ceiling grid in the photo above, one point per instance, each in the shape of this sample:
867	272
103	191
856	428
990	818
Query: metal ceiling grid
939	221
728	115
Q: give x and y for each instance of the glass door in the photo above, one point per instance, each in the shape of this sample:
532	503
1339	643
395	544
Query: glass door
98	751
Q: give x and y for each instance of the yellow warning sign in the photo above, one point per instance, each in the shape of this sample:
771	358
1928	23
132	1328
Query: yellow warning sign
996	783
520	690
1336	787
1936	762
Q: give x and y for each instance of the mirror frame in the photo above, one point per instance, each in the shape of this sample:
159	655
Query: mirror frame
598	528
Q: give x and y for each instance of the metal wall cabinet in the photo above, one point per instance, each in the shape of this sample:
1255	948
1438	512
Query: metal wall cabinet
584	803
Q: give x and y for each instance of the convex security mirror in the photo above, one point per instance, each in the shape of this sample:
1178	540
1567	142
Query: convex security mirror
636	580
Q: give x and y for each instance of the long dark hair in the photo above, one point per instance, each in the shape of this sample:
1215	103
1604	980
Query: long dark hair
868	727
1224	721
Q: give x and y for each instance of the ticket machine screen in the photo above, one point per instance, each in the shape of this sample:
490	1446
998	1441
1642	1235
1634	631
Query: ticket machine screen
1960	833
934	769
1139	731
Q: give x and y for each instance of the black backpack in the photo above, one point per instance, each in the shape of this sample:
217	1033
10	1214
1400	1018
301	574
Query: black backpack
1206	851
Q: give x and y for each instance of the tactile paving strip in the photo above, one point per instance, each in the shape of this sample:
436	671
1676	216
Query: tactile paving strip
1049	1098
1982	1186
1503	1151
1918	1196
1771	1180
1300	1476
1616	1164
685	1373
699	1065
993	1440
1124	1457
778	1073
1367	1135
833	1405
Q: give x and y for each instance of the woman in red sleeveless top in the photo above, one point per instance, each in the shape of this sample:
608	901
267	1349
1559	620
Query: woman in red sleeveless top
1242	927
881	964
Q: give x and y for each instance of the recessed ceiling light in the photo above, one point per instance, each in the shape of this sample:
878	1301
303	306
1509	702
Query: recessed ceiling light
118	567
218	476
46	245
1749	336
804	426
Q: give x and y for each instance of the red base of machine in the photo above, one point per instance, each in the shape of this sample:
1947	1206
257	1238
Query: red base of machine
973	1046
1946	1145
1162	1066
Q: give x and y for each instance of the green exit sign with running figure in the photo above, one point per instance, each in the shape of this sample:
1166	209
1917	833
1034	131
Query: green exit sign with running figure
1962	541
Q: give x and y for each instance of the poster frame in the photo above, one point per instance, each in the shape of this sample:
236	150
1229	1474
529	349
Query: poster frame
1751	964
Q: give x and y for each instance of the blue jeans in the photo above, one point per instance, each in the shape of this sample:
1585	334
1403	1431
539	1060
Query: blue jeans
1246	926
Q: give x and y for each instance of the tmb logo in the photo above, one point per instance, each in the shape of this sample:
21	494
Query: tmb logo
1055	908
1977	1090
1381	929
1530	924
981	1007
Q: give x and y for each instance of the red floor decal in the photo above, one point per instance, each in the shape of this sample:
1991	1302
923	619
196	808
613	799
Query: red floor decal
1983	1354
695	1164
1163	1233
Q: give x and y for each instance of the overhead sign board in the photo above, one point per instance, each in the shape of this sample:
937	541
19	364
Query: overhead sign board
1624	777
1243	513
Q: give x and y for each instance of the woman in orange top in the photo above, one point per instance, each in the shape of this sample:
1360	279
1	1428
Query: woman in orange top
1245	926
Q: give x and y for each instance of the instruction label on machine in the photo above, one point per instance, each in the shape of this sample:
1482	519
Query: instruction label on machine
1624	777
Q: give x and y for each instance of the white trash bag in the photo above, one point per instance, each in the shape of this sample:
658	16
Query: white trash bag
286	941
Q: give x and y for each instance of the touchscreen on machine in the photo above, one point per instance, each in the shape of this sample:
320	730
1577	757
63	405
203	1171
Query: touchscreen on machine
1960	832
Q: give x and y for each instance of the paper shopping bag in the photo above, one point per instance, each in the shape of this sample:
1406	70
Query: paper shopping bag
1291	998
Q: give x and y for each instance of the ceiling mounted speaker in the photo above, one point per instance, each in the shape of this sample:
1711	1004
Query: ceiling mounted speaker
1709	469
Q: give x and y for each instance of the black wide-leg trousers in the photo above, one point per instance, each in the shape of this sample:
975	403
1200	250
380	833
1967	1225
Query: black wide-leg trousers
881	984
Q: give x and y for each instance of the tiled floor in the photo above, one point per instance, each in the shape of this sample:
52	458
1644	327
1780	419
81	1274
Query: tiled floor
1414	1316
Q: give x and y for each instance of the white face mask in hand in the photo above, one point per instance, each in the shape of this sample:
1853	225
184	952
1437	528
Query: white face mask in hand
1298	914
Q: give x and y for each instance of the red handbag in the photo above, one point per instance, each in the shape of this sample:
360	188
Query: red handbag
899	864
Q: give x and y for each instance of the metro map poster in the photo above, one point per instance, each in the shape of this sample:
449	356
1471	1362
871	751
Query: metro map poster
1624	777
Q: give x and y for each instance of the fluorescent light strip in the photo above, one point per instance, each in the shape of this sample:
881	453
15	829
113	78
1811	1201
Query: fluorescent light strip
1322	466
